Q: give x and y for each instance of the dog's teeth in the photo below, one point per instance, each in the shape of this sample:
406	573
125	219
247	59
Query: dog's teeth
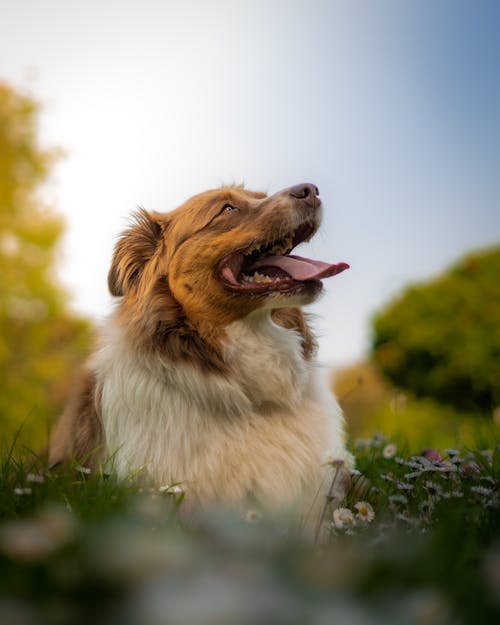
284	246
257	277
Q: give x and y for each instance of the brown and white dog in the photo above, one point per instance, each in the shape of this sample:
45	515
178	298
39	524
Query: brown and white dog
205	371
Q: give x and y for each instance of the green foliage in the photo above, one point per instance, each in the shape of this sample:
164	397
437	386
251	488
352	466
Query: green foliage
371	404
40	339
442	339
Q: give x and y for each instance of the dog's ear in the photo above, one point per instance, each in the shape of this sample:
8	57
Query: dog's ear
133	250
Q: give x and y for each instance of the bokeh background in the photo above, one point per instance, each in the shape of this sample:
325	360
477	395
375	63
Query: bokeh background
389	107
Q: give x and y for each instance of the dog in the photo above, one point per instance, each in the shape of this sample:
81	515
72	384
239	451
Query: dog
204	375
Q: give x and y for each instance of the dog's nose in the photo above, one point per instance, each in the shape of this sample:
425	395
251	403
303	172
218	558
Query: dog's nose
305	191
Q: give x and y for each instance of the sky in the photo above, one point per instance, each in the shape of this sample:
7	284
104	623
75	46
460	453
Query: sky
391	107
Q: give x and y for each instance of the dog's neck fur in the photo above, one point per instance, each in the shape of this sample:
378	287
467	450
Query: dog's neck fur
179	423
265	363
267	360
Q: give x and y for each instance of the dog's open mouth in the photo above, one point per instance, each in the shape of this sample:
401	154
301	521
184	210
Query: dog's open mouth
268	266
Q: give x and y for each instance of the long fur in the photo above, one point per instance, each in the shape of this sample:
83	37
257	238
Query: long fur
195	385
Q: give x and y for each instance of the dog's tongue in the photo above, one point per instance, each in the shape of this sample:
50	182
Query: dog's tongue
300	268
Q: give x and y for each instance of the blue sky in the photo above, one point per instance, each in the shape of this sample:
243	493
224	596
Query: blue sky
389	107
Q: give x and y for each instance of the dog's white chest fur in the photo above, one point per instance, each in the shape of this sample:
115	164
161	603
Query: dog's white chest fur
263	430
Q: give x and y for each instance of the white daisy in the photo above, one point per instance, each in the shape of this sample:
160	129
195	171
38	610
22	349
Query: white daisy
365	513
343	518
35	477
390	450
84	470
253	516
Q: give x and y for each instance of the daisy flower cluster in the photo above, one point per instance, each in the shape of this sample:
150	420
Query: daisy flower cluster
413	490
346	520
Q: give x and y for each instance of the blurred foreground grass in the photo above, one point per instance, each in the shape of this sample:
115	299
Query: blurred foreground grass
417	541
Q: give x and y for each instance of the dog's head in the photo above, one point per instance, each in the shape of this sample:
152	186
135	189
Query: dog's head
217	258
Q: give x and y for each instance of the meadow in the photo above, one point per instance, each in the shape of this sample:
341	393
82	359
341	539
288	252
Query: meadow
415	542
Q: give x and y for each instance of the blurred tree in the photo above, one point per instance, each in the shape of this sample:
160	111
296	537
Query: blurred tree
361	390
40	339
442	339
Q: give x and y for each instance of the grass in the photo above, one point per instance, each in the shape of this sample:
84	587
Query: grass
80	548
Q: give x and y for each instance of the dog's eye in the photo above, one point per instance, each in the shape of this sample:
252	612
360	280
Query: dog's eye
227	208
